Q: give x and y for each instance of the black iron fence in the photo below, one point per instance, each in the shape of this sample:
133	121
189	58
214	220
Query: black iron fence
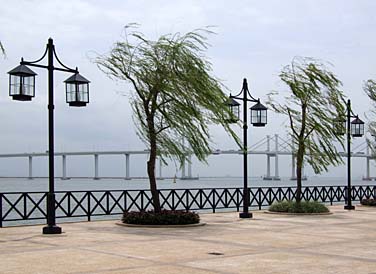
29	207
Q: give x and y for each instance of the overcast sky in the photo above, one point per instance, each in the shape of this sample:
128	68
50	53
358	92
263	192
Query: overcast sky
255	39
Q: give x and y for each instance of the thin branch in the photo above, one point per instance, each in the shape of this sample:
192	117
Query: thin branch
161	129
309	133
135	86
292	123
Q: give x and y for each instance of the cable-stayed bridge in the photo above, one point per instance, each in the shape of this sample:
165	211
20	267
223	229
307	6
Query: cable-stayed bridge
271	146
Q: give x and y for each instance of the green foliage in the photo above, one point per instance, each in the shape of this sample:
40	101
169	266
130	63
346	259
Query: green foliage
315	101
282	206
174	95
165	217
368	202
302	207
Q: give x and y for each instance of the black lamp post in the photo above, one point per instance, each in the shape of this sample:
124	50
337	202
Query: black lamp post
258	119
356	129
22	88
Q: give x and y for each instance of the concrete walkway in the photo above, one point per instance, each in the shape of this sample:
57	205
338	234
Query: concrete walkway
344	242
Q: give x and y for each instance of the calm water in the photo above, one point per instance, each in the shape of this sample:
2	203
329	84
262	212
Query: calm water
21	185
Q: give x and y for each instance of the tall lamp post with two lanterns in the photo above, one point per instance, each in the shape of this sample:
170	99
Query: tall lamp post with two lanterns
354	128
22	88
258	119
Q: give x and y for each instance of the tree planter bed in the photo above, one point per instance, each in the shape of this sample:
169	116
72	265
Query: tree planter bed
161	226
298	214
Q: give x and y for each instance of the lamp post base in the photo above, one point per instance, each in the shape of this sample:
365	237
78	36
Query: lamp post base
52	230
245	215
349	207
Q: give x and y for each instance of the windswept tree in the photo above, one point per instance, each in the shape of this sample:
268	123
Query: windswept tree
370	89
173	95
314	102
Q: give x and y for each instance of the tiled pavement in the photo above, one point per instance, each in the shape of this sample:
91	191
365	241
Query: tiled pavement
344	242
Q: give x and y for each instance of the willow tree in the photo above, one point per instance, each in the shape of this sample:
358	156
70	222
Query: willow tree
173	95
370	89
314	102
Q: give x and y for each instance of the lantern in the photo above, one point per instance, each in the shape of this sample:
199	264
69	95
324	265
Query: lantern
22	83
258	115
234	110
77	90
357	127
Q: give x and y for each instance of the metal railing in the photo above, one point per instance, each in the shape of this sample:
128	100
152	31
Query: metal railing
30	207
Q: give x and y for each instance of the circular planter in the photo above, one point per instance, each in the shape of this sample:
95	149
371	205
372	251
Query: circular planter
160	226
297	214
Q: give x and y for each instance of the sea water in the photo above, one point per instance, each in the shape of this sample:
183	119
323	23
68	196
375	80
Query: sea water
74	184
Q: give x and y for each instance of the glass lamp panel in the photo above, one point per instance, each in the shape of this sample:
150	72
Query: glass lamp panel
15	85
235	111
258	117
71	92
22	85
28	85
357	130
83	92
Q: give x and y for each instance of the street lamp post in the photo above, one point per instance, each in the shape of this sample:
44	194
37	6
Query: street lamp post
354	128
22	88
258	119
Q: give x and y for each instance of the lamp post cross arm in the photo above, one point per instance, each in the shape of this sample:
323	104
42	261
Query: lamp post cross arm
49	48
246	92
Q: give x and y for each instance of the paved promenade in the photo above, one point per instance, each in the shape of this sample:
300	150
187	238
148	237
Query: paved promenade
344	242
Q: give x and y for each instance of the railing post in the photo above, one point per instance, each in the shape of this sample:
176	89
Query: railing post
237	200
173	199
125	200
88	206
24	206
107	193
259	198
187	191
201	199
331	195
142	200
1	209
213	200
69	194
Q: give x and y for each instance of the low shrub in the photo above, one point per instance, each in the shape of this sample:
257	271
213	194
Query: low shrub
368	202
302	207
165	217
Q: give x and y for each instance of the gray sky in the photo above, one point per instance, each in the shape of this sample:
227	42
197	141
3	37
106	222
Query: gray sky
255	39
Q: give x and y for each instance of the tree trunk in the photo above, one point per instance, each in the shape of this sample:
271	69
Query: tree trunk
298	183
151	174
299	165
300	155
